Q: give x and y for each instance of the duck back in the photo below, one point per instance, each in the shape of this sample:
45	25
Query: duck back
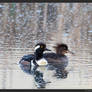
28	58
58	61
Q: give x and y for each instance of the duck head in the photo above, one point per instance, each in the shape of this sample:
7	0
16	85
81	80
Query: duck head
62	49
39	49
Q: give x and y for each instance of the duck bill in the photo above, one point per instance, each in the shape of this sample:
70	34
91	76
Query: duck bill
47	49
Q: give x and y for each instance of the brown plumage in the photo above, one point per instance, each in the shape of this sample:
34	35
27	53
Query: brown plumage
58	60
60	48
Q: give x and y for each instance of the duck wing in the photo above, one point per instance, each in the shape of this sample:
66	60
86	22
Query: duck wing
50	55
28	57
56	60
25	62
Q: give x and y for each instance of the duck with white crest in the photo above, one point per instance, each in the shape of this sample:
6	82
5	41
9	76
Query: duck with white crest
31	63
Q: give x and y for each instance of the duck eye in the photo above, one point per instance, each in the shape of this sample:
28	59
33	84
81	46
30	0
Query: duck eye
41	46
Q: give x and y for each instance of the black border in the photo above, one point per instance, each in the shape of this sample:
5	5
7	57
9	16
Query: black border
47	1
49	90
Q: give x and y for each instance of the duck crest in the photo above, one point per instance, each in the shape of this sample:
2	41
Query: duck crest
42	62
60	47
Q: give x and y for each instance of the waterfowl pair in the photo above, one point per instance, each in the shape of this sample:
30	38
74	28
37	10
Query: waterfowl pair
58	60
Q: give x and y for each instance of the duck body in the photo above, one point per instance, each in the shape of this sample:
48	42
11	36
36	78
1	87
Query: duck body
31	64
28	57
28	62
57	60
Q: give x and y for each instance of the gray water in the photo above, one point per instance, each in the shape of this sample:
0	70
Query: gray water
22	25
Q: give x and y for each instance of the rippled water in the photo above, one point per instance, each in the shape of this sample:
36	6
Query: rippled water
12	77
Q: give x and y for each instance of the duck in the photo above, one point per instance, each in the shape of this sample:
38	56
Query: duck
36	59
30	63
58	60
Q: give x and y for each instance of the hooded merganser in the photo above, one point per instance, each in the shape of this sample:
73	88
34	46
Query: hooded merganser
39	60
34	59
59	60
29	64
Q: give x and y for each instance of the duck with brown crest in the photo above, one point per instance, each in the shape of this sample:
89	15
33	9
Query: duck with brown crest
59	60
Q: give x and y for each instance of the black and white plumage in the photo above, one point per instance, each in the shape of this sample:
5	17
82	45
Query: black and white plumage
30	64
35	59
